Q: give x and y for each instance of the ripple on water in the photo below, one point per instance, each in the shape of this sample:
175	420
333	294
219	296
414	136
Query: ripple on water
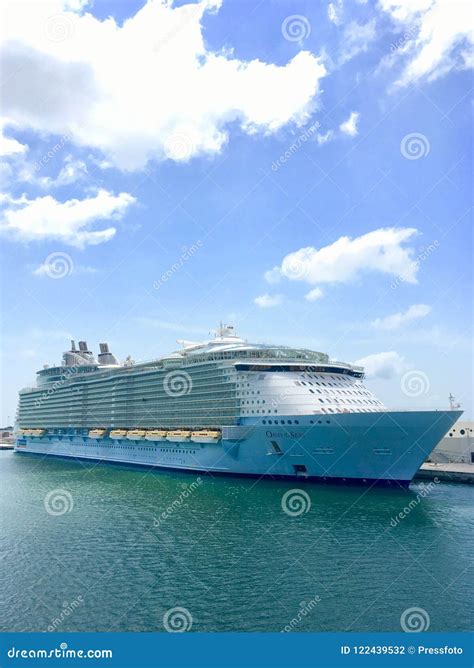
134	545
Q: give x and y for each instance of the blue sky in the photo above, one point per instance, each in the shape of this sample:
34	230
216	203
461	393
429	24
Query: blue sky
301	170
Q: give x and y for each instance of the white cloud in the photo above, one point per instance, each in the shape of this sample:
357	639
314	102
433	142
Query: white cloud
335	11
147	88
437	36
384	365
73	170
356	39
398	319
346	259
9	146
314	294
69	222
273	276
268	301
349	126
323	139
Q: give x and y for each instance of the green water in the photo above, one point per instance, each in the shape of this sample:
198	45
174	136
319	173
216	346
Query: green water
227	553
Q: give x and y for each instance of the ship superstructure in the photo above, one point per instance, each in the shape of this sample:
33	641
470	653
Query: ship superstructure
226	406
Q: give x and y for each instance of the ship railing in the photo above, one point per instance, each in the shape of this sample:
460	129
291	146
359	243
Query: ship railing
345	365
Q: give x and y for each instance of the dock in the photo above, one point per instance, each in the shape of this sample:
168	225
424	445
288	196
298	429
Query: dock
447	472
6	446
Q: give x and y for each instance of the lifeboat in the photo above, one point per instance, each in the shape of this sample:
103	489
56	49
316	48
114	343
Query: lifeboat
118	433
96	433
156	435
178	436
136	434
206	436
38	432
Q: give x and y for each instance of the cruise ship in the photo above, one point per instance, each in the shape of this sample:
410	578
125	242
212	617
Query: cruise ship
226	406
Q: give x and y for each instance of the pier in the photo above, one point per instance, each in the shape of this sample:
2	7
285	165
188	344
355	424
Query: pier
447	472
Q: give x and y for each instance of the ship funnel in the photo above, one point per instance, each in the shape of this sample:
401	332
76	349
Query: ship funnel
105	356
79	357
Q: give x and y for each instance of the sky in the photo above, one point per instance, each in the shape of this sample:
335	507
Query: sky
299	169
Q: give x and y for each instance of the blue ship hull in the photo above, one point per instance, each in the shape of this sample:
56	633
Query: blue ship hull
382	448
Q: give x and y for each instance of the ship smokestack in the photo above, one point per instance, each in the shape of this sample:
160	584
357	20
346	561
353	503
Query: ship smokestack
105	356
81	356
